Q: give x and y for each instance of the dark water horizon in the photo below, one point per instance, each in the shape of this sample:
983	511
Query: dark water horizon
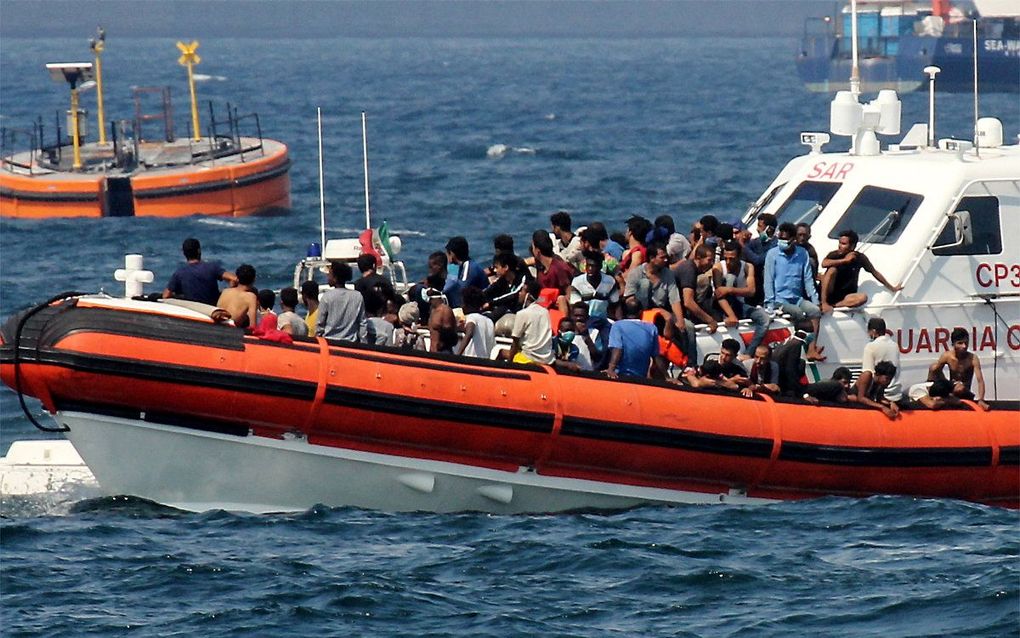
603	129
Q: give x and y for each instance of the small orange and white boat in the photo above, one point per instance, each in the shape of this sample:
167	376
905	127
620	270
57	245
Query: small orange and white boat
144	169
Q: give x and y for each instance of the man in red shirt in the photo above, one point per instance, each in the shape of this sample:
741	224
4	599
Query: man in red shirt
553	271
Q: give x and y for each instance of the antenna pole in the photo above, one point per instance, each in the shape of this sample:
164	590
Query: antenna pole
932	71
322	197
855	71
364	148
98	44
977	149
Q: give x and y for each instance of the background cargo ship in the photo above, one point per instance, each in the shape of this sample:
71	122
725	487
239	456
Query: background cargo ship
897	40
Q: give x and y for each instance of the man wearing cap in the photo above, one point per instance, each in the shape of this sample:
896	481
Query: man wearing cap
406	336
678	246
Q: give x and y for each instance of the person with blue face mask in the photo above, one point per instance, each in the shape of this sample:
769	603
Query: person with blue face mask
790	284
564	348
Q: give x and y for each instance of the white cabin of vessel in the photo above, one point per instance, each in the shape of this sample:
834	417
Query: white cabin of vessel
975	285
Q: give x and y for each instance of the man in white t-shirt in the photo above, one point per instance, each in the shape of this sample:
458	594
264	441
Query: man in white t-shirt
288	320
592	344
566	243
479	332
881	348
532	332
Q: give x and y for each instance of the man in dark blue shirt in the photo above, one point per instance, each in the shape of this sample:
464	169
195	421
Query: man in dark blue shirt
197	280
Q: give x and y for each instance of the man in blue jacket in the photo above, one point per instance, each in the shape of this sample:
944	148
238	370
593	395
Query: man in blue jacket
790	283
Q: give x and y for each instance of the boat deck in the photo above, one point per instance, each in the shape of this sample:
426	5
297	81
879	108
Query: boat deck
184	154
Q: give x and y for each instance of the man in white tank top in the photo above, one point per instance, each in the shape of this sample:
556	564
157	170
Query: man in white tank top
735	284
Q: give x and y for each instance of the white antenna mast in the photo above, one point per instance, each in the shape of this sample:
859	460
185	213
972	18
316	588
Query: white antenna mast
932	71
322	197
977	148
364	146
855	71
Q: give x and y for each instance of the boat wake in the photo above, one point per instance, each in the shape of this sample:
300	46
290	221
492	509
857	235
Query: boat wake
60	502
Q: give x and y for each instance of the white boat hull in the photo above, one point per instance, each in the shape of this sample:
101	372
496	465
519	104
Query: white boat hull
197	470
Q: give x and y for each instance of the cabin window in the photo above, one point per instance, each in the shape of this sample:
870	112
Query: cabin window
807	202
878	215
752	212
985	229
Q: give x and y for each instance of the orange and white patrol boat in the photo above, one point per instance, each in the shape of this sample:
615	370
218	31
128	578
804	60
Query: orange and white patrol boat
143	168
163	403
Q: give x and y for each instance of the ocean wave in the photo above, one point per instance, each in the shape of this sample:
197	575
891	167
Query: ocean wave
500	151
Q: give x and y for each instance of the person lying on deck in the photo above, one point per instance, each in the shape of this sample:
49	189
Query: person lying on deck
833	390
934	395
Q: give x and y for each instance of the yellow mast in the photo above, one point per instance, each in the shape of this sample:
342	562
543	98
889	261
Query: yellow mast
97	45
189	59
75	140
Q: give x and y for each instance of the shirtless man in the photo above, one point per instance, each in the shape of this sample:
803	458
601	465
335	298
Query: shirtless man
442	322
964	366
239	300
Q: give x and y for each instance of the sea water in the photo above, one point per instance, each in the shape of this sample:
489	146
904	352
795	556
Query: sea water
474	137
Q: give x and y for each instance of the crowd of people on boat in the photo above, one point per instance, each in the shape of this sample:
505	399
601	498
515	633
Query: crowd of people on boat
625	305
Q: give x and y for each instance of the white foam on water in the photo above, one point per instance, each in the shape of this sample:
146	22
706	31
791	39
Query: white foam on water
222	223
496	151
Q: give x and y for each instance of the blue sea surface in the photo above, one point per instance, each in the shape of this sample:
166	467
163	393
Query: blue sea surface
474	137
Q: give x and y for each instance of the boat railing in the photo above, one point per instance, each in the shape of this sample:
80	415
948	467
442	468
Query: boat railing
15	142
226	137
32	143
394	269
1006	297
